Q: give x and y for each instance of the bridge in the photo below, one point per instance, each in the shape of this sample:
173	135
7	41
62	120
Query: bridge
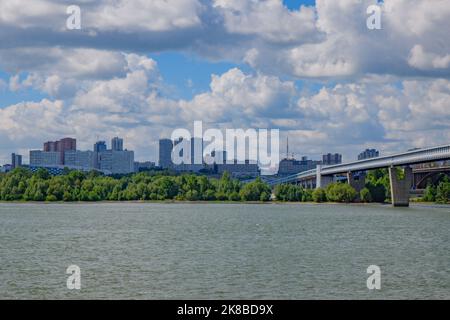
400	188
425	175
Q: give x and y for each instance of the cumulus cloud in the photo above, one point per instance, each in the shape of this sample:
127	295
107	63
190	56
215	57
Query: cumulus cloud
426	60
269	20
328	40
346	48
344	118
379	86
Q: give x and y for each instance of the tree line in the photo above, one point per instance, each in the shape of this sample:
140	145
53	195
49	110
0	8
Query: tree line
23	185
377	190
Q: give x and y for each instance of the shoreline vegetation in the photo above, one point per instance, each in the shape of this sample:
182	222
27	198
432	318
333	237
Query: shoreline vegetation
21	185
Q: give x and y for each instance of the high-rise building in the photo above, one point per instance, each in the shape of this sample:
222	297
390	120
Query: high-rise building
61	146
40	158
290	166
331	159
165	153
63	153
83	160
100	146
16	160
66	144
116	162
117	144
50	146
368	154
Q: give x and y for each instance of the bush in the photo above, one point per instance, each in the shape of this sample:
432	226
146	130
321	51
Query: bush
340	192
51	198
319	195
288	192
429	194
443	192
365	195
192	195
307	196
377	191
378	183
221	196
255	191
234	196
265	196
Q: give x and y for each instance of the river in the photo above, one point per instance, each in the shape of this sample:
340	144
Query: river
223	251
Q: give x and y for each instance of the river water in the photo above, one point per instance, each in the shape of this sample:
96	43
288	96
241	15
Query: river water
223	251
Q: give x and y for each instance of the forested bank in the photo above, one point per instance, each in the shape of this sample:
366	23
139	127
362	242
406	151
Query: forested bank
23	185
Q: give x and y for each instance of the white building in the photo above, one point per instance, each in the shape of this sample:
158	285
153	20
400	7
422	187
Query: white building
40	158
83	160
116	162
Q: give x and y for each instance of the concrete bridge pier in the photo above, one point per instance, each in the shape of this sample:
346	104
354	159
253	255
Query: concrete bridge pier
357	183
322	181
400	188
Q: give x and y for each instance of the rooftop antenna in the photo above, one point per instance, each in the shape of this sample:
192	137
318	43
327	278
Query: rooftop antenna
287	147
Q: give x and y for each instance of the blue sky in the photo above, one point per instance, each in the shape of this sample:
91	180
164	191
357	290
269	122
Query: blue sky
295	4
185	74
181	69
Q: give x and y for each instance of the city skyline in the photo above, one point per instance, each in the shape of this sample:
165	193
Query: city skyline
165	146
311	69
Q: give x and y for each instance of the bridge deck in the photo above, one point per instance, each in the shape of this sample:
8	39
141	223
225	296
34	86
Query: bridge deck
401	159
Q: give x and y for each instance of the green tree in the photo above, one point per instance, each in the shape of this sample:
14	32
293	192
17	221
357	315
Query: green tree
288	192
256	191
340	192
429	194
366	195
319	195
377	181
443	192
307	195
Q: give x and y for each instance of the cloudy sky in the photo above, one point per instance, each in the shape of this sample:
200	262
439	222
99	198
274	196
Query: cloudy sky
142	68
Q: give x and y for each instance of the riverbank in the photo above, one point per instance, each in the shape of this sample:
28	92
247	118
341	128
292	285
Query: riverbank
269	203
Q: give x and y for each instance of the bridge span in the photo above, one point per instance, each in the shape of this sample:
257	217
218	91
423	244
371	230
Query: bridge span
324	175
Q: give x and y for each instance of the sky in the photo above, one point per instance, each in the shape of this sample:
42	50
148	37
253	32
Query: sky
140	69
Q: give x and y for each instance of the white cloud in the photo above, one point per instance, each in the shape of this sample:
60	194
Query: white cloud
425	60
347	48
328	40
390	87
269	20
343	118
155	15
